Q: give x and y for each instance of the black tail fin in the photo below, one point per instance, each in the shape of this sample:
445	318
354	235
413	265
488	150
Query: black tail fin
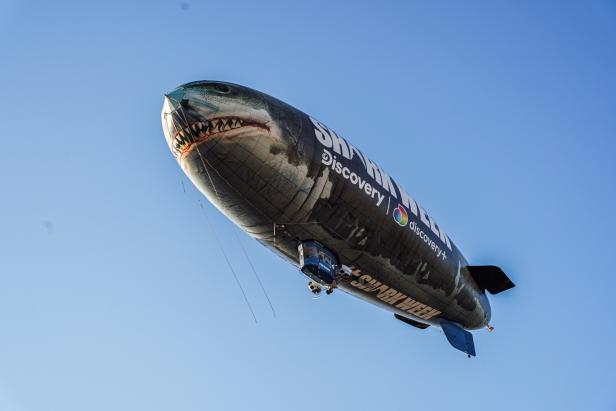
412	322
491	278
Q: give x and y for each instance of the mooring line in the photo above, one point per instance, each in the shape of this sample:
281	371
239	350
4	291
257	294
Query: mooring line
256	274
237	280
213	229
239	240
269	301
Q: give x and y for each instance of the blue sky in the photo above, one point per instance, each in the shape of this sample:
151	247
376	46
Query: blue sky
497	116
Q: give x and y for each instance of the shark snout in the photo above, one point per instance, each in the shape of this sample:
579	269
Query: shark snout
192	114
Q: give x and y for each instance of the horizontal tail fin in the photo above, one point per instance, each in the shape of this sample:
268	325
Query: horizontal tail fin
491	278
412	322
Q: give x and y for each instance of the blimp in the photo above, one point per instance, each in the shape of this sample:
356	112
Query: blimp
308	194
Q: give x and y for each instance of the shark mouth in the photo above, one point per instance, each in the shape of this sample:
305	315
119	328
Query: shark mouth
196	133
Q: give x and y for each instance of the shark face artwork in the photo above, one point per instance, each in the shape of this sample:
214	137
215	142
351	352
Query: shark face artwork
308	194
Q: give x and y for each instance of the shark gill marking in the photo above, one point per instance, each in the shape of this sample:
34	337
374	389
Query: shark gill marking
198	132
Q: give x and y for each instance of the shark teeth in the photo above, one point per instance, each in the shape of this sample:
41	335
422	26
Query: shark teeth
201	130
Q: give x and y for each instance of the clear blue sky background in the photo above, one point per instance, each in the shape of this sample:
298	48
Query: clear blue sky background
498	116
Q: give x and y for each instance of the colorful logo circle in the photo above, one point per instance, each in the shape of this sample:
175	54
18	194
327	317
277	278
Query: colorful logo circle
401	216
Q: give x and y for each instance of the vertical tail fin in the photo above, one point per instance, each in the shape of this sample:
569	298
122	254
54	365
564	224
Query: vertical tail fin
458	337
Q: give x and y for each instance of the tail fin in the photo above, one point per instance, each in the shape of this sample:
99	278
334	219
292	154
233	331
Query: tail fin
458	337
490	277
411	322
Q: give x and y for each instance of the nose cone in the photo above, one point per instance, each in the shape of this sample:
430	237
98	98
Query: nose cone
172	116
172	101
175	97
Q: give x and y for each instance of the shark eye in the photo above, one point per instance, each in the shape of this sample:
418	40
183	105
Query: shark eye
221	88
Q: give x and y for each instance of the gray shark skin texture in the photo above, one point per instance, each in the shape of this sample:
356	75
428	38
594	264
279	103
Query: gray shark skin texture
284	178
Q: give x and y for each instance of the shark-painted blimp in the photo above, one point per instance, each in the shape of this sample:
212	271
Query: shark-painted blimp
308	194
